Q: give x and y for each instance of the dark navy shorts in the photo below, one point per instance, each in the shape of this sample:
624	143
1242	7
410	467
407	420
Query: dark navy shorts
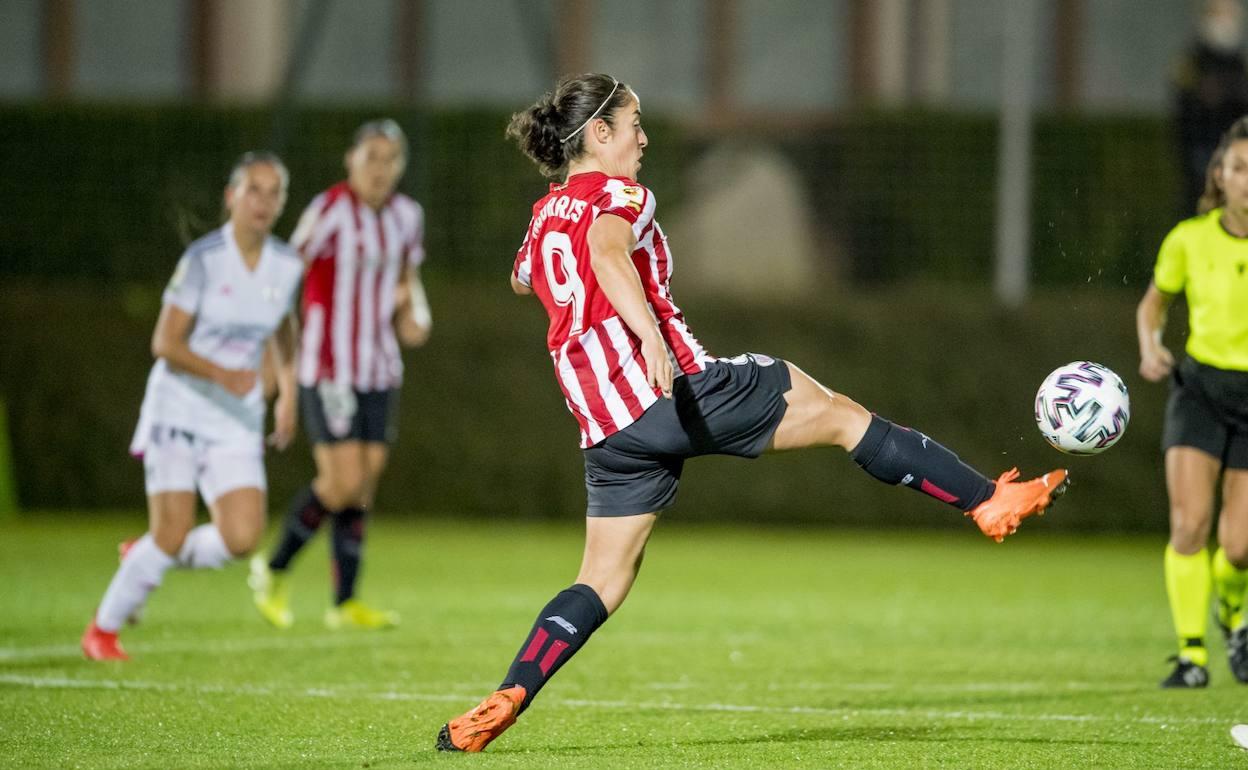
1208	410
732	408
332	414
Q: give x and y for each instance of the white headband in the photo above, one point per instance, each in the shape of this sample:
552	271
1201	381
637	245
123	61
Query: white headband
614	85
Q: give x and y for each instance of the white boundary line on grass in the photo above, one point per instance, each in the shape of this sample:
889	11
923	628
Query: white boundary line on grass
189	645
68	683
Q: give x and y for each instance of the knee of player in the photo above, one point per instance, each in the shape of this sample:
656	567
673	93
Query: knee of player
1188	533
169	537
241	544
344	491
843	421
1237	551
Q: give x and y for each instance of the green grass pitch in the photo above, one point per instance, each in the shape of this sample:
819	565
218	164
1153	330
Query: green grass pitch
738	648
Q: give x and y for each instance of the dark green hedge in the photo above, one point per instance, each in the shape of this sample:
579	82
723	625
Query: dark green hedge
484	431
111	193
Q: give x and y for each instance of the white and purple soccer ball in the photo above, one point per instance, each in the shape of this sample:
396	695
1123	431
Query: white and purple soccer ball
1082	408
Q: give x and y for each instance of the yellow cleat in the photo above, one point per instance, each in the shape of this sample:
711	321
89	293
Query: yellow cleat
270	592
355	614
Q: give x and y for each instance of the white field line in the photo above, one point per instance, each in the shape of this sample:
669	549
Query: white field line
191	645
958	715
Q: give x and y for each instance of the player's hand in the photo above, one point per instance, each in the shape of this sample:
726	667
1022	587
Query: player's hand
410	333
1156	363
658	365
284	422
237	381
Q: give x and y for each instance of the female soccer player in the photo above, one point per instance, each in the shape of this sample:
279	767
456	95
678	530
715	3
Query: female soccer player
1206	428
362	242
202	417
646	395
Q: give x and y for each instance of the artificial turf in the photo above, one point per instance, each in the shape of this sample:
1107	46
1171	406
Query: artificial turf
739	647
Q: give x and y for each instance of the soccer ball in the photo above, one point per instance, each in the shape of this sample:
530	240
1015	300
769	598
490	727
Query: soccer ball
1082	408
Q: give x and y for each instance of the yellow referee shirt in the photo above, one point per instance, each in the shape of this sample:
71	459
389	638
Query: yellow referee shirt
1201	258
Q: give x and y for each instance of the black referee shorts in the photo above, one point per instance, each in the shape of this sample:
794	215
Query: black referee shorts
731	408
1208	410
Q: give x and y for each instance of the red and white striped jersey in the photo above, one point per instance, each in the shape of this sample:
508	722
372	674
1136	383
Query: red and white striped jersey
355	257
597	359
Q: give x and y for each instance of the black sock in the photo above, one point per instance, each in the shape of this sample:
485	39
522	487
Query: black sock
302	521
347	543
562	627
897	455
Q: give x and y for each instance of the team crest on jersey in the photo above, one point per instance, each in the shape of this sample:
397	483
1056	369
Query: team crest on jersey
634	197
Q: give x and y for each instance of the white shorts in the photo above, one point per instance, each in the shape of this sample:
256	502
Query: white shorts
175	460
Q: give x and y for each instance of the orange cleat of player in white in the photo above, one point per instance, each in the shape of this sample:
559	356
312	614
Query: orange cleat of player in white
1012	501
474	730
98	644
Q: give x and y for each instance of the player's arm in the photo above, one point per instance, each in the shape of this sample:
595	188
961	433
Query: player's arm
169	341
280	351
518	287
1156	360
611	245
413	319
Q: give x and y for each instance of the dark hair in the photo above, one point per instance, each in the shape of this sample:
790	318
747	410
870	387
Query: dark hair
1213	195
381	127
552	131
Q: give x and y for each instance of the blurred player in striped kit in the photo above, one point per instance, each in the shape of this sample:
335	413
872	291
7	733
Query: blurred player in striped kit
645	393
362	296
201	423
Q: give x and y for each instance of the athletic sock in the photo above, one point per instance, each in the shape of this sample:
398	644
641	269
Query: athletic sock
140	573
347	543
204	548
562	627
1231	583
898	455
1187	585
304	518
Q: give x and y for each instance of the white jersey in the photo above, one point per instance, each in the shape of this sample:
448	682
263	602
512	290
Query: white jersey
236	310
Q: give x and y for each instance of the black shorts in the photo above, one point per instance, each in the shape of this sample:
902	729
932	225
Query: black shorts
331	414
732	408
1208	410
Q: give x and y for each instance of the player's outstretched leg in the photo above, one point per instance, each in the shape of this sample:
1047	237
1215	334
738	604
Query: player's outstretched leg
817	416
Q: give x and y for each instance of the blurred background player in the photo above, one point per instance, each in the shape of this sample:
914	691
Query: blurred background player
1210	91
362	296
202	417
1206	427
646	395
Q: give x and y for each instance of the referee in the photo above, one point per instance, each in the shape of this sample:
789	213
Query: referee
1206	429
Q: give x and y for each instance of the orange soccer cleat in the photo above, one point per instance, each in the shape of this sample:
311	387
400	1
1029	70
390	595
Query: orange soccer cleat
123	548
475	729
98	644
1012	501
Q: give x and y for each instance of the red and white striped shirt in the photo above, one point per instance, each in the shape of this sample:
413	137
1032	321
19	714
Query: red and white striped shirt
355	257
597	358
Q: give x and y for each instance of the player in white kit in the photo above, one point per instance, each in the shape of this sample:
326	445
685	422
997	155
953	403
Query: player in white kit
202	420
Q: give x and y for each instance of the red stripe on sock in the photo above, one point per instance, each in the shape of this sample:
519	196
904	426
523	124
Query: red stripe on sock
530	652
548	660
937	492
